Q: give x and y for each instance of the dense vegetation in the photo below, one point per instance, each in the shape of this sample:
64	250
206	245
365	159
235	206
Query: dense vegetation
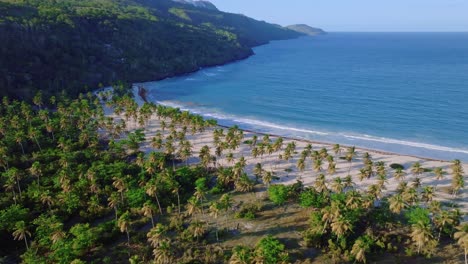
75	45
76	188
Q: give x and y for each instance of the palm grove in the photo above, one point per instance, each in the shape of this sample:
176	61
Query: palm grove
76	187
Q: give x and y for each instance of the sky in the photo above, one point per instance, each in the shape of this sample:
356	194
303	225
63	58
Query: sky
357	15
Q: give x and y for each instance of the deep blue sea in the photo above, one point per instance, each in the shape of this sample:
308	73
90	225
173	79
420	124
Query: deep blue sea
399	92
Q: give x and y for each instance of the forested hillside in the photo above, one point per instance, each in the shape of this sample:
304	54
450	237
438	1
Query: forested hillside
52	45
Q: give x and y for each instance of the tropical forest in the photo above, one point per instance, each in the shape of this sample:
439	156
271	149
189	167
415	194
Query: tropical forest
83	182
91	171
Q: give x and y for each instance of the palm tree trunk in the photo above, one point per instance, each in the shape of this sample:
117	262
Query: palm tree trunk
22	148
27	246
115	210
152	220
14	195
37	142
128	236
159	205
466	260
178	201
19	187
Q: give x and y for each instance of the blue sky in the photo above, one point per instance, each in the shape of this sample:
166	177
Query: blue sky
357	15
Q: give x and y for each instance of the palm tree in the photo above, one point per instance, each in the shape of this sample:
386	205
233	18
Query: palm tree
156	235
337	149
367	159
258	171
410	195
57	233
163	253
320	184
442	219
337	185
417	169
396	203
193	206
225	204
375	191
421	234
267	177
113	202
300	166
427	193
36	170
331	167
215	208
399	174
241	255
124	223
244	184
351	152
197	229
439	173
148	211
120	185
353	199
318	165
359	250
462	238
341	226
21	233
458	182
205	156
152	190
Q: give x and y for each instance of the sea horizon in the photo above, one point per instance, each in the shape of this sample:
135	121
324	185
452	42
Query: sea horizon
269	67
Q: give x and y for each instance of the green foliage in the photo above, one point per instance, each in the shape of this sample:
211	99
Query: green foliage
311	198
270	250
136	197
249	211
418	214
278	194
76	45
396	166
11	215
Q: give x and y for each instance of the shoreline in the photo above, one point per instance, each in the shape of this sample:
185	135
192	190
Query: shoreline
140	92
287	172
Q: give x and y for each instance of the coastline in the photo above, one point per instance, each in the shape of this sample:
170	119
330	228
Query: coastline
140	95
287	172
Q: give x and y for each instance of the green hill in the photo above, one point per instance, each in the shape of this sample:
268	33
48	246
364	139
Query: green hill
76	45
307	30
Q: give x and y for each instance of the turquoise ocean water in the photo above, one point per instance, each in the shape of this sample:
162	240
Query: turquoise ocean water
399	92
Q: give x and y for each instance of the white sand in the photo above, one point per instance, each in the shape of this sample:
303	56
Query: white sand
271	162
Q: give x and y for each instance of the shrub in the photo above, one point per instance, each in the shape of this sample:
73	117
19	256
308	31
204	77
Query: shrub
396	166
418	214
248	211
271	250
278	194
312	198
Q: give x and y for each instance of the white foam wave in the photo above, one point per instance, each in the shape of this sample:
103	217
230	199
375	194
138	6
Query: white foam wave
406	143
209	74
263	124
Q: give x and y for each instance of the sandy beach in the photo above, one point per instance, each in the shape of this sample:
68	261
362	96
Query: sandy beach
286	172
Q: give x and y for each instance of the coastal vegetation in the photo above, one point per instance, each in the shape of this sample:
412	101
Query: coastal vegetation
74	45
86	180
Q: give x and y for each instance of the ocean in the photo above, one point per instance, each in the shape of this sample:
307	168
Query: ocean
398	92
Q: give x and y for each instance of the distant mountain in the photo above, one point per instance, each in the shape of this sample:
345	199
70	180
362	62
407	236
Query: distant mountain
201	4
77	45
305	29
